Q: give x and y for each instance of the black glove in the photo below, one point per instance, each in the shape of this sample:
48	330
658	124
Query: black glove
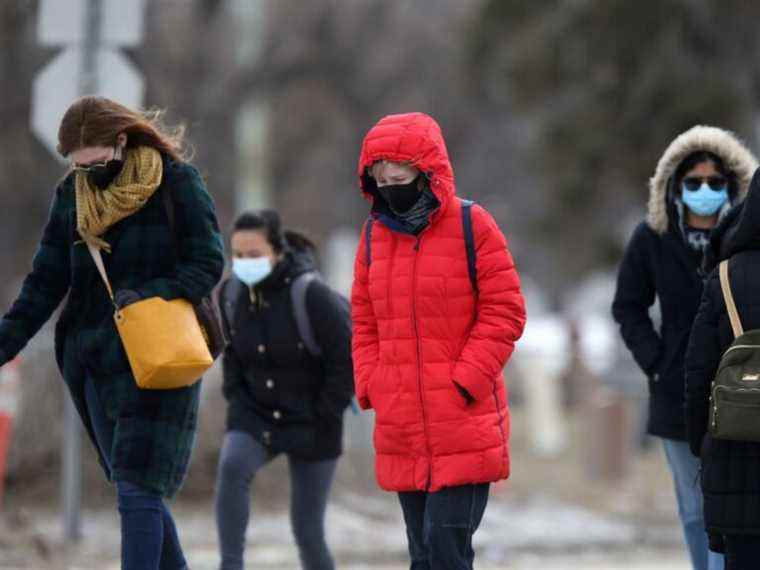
716	542
125	297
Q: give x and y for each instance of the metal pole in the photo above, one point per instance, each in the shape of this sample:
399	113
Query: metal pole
72	440
93	19
72	472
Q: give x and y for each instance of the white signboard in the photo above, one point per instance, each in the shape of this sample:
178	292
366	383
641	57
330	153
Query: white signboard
57	86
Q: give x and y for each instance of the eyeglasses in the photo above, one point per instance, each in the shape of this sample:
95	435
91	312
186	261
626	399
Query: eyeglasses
97	165
716	183
90	167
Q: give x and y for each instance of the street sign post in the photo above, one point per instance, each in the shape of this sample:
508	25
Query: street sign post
66	23
91	33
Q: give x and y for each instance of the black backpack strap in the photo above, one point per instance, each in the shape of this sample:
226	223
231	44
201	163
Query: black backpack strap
228	296
368	240
298	290
469	243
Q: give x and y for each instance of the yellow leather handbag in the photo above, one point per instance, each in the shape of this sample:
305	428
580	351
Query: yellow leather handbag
163	340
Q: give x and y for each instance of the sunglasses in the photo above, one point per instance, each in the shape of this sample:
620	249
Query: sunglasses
716	183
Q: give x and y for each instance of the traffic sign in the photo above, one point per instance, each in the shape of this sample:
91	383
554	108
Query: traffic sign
57	86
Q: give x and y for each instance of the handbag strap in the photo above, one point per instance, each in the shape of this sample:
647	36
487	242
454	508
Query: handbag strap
733	314
97	257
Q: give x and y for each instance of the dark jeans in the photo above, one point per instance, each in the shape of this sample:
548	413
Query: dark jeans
439	526
742	552
149	538
310	481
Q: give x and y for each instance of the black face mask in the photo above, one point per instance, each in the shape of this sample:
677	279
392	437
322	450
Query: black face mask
103	174
401	197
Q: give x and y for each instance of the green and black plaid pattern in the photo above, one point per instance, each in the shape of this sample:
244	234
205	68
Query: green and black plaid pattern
155	430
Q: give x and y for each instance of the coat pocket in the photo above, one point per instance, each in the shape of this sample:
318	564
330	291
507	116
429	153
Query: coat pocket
462	401
102	350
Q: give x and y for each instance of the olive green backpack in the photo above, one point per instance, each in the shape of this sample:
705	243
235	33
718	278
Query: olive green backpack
735	397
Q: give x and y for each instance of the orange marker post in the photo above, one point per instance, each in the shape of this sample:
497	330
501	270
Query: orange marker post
10	380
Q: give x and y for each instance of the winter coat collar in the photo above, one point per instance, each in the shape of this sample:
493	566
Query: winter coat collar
726	145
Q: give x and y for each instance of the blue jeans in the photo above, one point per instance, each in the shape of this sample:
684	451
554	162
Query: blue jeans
310	481
149	538
685	470
440	526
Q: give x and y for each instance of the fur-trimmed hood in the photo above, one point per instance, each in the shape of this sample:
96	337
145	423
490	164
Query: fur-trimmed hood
735	155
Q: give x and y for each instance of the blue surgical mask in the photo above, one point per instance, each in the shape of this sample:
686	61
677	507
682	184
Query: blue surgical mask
251	270
705	201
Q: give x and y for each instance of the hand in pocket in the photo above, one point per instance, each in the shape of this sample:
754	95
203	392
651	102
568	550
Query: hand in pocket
464	395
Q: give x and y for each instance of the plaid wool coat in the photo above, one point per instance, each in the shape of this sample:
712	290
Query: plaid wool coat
155	429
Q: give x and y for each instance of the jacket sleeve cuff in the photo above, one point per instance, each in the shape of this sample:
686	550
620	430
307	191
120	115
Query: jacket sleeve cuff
477	384
649	360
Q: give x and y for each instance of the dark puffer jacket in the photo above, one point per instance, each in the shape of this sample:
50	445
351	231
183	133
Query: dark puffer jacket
730	469
284	397
658	264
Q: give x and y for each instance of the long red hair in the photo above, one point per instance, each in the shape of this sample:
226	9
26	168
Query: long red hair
98	121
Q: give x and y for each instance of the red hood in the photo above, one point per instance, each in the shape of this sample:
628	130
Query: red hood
414	138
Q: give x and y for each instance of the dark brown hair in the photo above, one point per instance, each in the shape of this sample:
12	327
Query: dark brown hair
281	239
97	121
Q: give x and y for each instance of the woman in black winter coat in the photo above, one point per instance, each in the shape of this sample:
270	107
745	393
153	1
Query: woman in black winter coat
288	378
699	176
730	469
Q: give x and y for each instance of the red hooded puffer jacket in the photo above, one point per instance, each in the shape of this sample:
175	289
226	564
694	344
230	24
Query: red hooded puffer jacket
418	327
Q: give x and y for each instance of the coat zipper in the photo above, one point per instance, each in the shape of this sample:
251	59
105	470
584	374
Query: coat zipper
419	363
419	345
714	401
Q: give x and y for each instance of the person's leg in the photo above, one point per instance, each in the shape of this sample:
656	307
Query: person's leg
715	560
413	506
453	515
142	528
172	556
310	483
136	505
685	470
239	460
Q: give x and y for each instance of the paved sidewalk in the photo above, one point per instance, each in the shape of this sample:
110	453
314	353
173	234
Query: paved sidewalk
366	533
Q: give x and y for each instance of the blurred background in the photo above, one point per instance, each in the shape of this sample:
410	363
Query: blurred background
555	113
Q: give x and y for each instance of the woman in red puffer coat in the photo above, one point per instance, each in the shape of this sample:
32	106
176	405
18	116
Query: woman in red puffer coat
435	321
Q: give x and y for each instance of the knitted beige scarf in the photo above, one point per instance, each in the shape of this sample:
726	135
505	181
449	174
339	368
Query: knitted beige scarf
98	210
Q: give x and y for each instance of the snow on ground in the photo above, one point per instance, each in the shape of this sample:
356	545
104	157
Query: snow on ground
367	533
